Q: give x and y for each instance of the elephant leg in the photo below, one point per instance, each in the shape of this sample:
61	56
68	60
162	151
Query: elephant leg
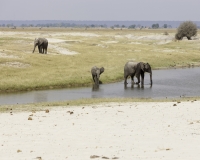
125	80
132	78
142	76
93	77
42	50
46	50
39	49
138	77
96	80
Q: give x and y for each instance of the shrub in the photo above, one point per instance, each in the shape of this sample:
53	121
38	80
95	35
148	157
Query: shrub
186	29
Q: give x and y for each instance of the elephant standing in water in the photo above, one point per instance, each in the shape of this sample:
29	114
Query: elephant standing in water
136	69
42	44
96	72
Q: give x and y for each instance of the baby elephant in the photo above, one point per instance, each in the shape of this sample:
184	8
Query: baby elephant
95	71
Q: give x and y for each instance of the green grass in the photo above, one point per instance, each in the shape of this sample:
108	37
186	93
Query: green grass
110	49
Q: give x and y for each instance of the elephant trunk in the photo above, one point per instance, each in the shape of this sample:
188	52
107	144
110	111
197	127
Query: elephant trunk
34	48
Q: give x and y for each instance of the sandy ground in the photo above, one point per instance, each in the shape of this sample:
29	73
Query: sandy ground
126	131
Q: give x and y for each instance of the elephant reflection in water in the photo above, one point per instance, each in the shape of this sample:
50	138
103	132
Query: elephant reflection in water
132	69
95	87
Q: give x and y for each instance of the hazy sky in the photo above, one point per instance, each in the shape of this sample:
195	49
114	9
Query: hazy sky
158	10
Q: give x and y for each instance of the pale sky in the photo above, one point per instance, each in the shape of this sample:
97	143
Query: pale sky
101	10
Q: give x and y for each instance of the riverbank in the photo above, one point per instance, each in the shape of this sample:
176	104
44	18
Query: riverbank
131	130
111	49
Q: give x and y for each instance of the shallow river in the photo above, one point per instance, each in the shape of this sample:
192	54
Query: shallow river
166	83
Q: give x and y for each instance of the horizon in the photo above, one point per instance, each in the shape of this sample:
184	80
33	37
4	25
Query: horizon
89	23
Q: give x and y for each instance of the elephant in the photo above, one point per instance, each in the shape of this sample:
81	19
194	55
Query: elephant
96	72
42	44
132	69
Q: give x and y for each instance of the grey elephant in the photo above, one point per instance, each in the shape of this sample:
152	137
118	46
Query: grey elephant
42	44
96	72
132	69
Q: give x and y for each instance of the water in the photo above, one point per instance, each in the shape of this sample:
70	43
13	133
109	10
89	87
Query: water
166	83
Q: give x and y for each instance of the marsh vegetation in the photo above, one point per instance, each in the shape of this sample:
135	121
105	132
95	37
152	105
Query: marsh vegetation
72	53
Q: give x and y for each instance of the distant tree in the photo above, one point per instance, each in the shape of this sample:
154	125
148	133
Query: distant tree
92	25
165	26
186	29
132	26
123	26
155	26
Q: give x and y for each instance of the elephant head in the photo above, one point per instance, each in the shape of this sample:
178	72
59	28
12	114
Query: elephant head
96	72
145	67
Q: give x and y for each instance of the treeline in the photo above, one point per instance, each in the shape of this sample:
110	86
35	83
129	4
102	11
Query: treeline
73	25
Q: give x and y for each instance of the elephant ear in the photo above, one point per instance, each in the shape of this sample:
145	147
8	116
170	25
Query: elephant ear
142	66
148	65
40	41
93	70
101	70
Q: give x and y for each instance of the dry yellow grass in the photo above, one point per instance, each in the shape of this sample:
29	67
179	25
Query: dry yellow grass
23	70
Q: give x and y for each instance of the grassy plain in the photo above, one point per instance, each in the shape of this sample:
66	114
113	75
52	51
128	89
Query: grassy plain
72	53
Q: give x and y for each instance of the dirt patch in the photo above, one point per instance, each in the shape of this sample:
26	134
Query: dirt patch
16	64
150	37
109	42
54	40
77	34
61	50
135	43
4	55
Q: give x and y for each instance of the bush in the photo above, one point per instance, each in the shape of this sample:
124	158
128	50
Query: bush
186	29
